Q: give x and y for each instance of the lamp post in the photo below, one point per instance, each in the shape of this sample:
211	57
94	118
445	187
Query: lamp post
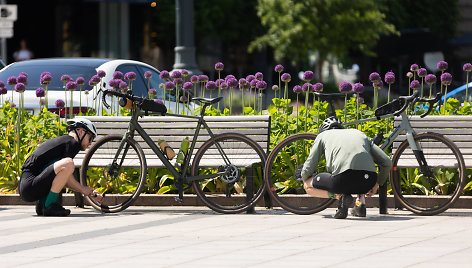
185	47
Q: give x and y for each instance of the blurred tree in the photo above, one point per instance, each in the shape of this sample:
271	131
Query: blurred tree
329	27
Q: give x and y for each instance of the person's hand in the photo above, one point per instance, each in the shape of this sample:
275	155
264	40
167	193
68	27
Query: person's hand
97	196
87	190
373	190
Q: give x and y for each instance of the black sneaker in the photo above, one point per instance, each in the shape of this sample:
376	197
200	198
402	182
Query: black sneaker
39	208
344	204
359	211
56	210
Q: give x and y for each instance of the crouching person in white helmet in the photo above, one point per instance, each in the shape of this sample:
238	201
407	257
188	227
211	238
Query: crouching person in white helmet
50	168
350	161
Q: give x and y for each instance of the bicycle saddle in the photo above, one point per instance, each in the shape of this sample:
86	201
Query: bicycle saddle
207	100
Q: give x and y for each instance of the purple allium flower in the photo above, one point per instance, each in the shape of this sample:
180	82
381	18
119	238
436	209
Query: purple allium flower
414	67
379	85
45	80
253	83
24	74
147	74
308	76
11	80
184	73
279	68
467	67
22	79
374	77
122	85
86	92
297	89
114	83
12	105
117	75
345	87
211	85
242	82
250	77
422	72
152	92
286	77
178	81
358	88
275	87
71	85
3	90
259	76
389	78
194	79
80	81
442	65
229	76
164	75
202	78
170	85
219	81
219	66
42	102
188	86
430	79
91	83
318	87
60	103
232	82
184	98
224	85
409	74
307	87
65	78
40	92
130	76
20	87
159	101
415	84
446	79
44	73
176	74
2	84
261	85
162	85
101	73
96	79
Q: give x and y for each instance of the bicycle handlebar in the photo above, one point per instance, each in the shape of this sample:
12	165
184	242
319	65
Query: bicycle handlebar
119	94
431	102
414	99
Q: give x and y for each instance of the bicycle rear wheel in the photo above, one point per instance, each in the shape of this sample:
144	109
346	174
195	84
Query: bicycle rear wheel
242	184
120	183
441	180
280	175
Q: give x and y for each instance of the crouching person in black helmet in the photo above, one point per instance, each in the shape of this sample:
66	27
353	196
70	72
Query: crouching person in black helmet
350	162
50	168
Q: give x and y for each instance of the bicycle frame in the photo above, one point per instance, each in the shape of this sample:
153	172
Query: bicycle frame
134	126
403	126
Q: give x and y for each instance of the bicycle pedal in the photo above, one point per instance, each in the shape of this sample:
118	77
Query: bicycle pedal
179	200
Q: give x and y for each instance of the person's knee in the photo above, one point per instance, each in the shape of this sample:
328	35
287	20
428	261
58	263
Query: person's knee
308	184
65	165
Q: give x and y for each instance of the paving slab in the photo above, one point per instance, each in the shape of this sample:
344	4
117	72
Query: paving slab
198	237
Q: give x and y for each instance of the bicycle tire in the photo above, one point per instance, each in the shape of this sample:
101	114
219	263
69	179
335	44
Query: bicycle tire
229	194
406	175
128	178
280	179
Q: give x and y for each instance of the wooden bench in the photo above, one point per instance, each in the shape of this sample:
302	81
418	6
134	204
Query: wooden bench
174	129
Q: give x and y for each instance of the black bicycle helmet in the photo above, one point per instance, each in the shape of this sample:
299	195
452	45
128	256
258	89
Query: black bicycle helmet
331	122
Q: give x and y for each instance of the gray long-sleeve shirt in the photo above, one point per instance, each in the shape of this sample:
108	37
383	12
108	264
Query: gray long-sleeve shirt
347	149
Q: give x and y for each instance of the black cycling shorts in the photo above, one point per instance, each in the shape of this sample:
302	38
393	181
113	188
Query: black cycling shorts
349	182
33	187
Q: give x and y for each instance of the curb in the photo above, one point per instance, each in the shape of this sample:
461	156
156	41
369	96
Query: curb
193	200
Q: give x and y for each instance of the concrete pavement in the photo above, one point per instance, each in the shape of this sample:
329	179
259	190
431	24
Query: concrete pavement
198	237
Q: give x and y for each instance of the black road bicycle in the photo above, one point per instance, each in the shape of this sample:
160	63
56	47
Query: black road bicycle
222	171
426	164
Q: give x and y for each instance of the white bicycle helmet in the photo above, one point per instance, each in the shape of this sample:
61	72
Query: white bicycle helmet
331	123
82	123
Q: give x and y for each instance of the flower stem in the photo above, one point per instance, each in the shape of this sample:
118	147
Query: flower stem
306	108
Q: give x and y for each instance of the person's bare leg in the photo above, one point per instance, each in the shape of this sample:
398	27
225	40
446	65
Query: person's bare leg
64	169
309	189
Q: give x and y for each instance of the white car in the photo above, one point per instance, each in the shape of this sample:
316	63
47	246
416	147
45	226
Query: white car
81	67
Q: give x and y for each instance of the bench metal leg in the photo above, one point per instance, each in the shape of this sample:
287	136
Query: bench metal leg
79	199
383	199
250	187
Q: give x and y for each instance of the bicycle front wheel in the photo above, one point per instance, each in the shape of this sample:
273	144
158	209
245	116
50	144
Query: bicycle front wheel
280	175
240	164
440	178
119	182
